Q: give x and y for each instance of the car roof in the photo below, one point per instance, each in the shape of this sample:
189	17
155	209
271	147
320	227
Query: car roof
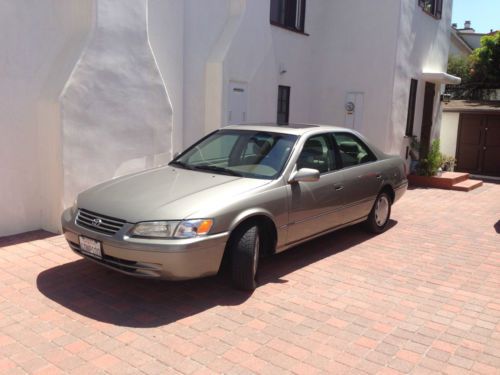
296	129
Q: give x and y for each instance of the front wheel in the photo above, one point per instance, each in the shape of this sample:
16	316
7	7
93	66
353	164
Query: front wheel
245	251
379	216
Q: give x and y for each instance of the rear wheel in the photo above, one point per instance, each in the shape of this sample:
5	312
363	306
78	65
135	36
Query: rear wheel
245	251
380	214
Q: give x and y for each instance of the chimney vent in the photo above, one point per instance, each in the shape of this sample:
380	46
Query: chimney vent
467	25
454	25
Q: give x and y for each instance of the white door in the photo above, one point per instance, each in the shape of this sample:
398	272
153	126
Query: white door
354	110
237	103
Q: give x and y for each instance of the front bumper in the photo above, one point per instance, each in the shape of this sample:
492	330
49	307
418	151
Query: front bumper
171	259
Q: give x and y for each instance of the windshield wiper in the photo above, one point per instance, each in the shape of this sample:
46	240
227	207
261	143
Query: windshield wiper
213	168
181	164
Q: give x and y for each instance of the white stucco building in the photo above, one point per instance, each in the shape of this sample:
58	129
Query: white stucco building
93	89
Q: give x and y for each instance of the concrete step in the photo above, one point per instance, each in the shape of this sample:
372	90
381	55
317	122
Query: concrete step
445	181
467	185
448	180
454	177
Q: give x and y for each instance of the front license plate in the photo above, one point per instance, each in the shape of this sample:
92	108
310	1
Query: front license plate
91	247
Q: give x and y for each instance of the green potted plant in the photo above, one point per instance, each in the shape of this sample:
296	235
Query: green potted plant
430	165
449	163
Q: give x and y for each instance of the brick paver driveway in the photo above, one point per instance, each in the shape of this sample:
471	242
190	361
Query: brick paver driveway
423	298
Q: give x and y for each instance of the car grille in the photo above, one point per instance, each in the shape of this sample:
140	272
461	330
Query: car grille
98	223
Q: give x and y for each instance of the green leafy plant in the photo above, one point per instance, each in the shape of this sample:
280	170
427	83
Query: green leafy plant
480	72
448	163
486	60
434	160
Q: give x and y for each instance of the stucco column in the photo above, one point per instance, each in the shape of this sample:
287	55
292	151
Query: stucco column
115	112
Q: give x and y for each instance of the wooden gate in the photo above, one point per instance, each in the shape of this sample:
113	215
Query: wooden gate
478	145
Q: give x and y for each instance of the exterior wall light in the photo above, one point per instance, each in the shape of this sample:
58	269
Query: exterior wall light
445	98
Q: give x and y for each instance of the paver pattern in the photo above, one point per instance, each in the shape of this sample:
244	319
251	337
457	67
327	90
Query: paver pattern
424	297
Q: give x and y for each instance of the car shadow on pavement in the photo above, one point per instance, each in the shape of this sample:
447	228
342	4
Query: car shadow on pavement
108	296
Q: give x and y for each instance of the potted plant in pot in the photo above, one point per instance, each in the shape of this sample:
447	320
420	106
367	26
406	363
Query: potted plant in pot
449	163
430	165
429	169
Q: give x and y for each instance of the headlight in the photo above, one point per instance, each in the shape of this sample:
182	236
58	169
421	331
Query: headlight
193	228
172	229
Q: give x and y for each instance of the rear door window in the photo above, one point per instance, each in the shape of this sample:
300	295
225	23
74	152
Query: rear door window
352	150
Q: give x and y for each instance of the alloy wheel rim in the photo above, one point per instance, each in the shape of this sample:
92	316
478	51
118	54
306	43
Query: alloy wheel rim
382	211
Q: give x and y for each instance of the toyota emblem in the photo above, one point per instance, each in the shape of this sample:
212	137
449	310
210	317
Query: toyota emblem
96	222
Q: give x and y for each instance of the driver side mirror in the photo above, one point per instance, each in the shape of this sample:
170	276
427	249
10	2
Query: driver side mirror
304	175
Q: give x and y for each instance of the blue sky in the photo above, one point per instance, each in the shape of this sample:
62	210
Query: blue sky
484	14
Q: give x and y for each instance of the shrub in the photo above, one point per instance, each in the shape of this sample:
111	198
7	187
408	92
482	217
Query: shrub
434	160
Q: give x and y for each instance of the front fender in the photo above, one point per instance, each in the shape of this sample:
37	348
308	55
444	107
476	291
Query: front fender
248	214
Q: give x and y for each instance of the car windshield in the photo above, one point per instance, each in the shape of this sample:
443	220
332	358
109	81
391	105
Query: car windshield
245	153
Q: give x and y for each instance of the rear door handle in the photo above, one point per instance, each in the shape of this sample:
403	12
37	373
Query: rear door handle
379	176
338	187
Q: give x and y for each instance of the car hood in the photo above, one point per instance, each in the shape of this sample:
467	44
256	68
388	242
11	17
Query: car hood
165	193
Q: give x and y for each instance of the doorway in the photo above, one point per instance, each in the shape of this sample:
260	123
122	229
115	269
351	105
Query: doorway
237	103
427	117
283	105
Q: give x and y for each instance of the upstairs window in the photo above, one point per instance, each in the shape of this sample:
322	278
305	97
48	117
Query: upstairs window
433	7
289	14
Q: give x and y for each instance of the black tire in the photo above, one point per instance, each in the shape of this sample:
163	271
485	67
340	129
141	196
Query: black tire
245	251
375	223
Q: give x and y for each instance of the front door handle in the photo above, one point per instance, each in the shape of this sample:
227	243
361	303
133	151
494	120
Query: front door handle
338	187
379	176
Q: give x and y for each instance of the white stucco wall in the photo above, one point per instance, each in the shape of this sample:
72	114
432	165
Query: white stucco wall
423	46
41	41
166	25
251	51
354	51
115	110
449	133
336	57
202	27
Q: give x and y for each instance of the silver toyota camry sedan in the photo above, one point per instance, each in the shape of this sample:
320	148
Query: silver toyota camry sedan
238	194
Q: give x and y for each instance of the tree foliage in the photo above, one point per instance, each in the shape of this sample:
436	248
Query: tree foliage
486	60
461	67
480	72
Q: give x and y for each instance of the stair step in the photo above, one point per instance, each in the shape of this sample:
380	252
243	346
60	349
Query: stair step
454	177
467	185
445	181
